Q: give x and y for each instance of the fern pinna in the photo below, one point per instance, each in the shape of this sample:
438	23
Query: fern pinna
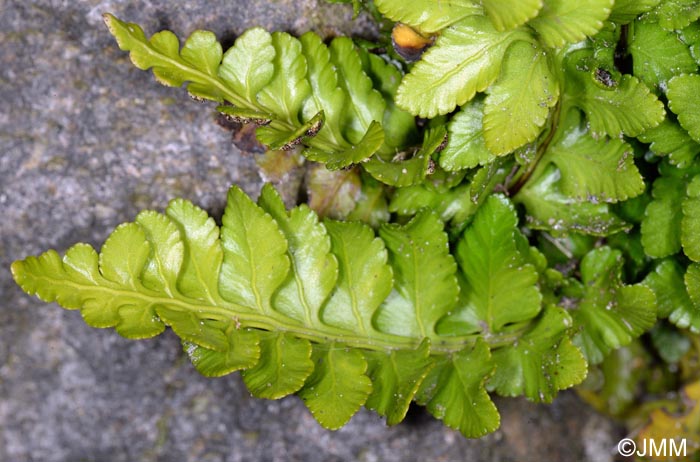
544	216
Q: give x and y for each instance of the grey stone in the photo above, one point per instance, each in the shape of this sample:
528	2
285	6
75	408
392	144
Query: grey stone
86	141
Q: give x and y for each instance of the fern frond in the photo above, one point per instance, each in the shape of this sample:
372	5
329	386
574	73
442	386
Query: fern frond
300	90
326	309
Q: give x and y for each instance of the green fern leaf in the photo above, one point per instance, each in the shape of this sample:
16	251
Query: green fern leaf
690	224
673	301
608	314
314	269
496	277
301	91
662	218
549	209
465	59
366	104
242	352
453	205
399	125
626	11
285	364
326	95
285	93
265	298
364	281
518	103
669	139
248	66
466	145
541	362
658	54
596	170
454	392
692	283
628	108
338	384
397	375
671	219
568	21
508	14
425	286
683	100
412	171
676	14
427	15
370	143
252	268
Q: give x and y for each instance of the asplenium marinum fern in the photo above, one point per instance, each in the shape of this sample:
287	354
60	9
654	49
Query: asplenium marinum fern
525	243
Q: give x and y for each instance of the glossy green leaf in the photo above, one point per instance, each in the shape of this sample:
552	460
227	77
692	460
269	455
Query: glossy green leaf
242	352
314	269
285	364
202	250
671	220
507	14
364	277
499	286
466	145
662	218
252	268
365	104
518	103
454	392
626	11
676	14
407	172
397	375
658	54
248	66
425	287
547	208
197	62
299	90
683	99
609	314
427	15
669	139
466	58
669	342
628	107
263	298
673	302
453	205
692	283
363	150
690	224
568	21
338	386
326	94
285	93
596	170
541	362
399	125
122	257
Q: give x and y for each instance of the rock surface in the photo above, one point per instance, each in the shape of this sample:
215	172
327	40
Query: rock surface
86	141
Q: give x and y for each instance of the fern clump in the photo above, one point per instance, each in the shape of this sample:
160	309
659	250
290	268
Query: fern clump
530	206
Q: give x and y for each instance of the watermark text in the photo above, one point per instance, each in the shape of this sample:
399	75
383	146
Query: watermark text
666	447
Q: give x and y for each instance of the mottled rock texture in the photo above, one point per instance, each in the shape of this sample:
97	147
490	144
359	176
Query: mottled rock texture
86	141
